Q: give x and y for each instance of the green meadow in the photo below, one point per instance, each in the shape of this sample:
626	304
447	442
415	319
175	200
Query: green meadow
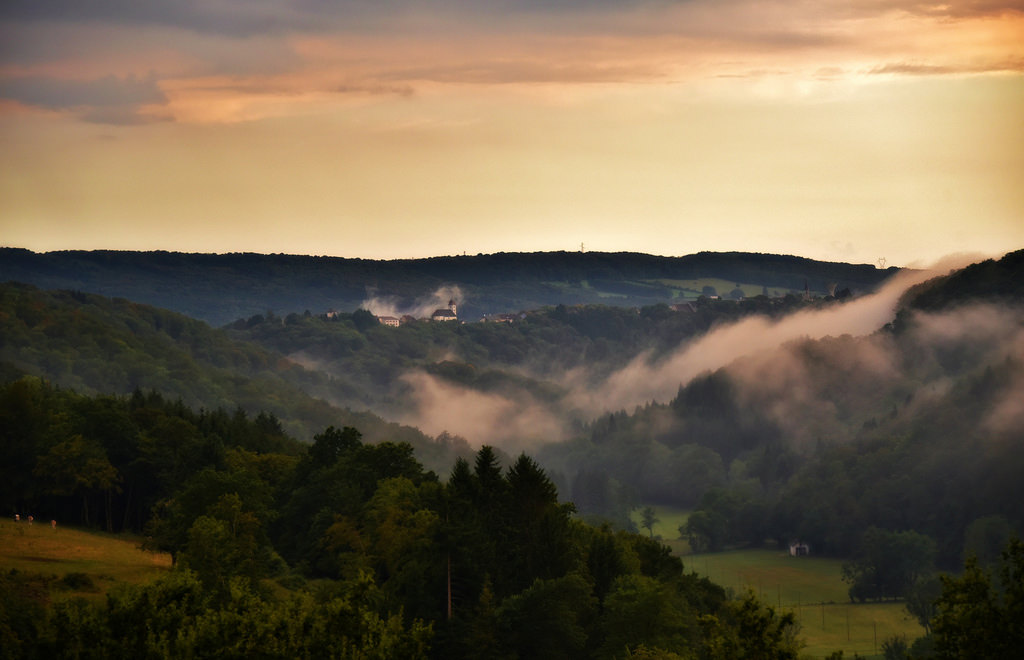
693	288
812	588
666	526
105	559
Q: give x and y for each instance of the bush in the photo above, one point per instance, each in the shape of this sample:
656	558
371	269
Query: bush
76	581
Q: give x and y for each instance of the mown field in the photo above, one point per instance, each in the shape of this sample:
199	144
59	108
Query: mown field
105	559
812	588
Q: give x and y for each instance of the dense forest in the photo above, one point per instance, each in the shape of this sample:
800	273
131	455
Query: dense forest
337	549
915	427
222	288
345	549
98	345
894	443
311	371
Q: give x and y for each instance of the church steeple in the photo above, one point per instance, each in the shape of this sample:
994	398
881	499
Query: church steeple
451	306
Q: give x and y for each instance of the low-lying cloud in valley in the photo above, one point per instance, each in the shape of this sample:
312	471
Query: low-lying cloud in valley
643	381
480	417
816	374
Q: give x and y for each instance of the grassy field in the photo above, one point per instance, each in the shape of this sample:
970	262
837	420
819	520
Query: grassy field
692	288
812	588
667	524
105	558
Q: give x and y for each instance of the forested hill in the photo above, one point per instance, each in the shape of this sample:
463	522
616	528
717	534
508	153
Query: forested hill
918	427
96	345
995	281
222	288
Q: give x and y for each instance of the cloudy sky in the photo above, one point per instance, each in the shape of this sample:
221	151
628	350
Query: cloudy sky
847	130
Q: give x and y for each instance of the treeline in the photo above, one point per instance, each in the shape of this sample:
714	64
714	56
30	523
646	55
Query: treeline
336	549
222	288
106	461
991	280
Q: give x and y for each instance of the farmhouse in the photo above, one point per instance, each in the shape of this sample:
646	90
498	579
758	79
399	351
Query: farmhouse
501	318
687	307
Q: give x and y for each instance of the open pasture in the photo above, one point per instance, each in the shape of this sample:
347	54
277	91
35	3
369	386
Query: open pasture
812	588
690	289
669	519
105	558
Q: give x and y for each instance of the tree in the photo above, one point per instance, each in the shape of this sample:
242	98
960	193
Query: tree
888	563
537	531
364	320
648	520
920	600
709	528
224	543
895	648
757	632
986	537
402	528
976	619
78	466
642	610
549	619
332	444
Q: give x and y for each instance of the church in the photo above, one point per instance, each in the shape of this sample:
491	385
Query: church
446	314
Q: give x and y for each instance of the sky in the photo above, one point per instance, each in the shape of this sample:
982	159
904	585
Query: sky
867	131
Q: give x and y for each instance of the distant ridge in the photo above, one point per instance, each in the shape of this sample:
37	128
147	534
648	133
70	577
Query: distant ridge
220	288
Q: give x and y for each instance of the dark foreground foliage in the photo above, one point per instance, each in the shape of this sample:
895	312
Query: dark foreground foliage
341	549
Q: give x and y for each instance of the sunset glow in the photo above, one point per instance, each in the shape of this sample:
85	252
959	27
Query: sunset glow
835	130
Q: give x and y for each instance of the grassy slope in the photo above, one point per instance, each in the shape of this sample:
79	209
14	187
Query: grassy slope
106	558
812	588
690	289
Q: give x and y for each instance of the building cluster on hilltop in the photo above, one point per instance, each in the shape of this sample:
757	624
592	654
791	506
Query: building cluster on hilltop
449	313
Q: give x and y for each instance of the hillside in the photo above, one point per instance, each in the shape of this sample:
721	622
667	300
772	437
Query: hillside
500	383
918	426
95	561
98	345
840	422
222	288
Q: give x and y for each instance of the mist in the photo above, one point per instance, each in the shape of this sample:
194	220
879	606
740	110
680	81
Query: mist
643	381
420	308
815	374
514	424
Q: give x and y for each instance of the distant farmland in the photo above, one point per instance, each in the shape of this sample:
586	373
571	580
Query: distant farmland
811	588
